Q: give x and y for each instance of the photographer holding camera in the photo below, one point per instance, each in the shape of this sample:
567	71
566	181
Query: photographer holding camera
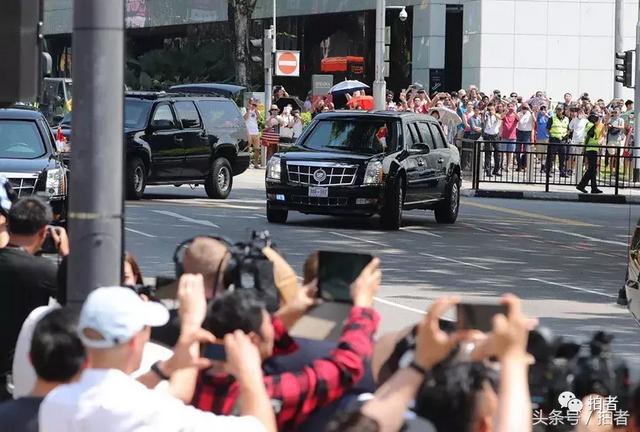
26	280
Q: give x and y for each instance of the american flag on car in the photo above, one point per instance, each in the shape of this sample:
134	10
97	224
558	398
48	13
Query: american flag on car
270	137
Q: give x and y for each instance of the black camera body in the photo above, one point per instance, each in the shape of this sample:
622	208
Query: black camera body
249	268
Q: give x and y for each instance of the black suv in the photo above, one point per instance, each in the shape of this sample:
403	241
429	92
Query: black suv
179	139
359	163
30	160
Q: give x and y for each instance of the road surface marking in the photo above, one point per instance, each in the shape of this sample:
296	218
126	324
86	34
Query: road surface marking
421	231
359	239
474	227
529	214
591	239
187	219
575	288
140	232
455	261
196	202
398	305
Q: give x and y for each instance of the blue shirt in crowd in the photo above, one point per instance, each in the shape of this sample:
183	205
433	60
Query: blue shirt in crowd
541	130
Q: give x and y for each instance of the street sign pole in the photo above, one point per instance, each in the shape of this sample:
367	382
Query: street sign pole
268	80
380	85
96	189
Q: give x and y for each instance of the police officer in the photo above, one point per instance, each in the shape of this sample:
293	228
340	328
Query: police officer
592	148
558	127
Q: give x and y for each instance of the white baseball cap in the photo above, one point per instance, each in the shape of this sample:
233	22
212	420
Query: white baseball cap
117	314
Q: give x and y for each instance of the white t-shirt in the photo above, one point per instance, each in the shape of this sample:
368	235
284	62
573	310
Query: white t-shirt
578	125
108	400
252	123
24	376
297	128
525	123
492	125
619	138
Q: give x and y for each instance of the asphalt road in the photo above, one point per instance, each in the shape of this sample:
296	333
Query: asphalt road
566	260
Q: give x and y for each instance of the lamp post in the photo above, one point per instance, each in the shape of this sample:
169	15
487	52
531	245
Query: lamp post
380	85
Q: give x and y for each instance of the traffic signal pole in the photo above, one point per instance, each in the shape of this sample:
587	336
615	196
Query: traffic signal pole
619	11
96	189
636	106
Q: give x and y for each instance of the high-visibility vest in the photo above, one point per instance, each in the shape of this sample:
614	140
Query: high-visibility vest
593	143
559	128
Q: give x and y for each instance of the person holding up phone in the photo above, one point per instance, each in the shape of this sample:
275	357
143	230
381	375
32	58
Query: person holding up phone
26	280
299	393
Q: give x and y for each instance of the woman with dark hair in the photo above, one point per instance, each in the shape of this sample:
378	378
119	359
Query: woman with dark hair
132	274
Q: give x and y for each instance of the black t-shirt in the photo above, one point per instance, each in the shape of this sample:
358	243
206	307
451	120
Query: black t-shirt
20	415
26	282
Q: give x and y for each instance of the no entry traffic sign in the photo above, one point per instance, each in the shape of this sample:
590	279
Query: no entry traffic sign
288	63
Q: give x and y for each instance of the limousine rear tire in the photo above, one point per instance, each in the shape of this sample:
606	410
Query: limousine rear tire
220	180
447	210
276	216
391	215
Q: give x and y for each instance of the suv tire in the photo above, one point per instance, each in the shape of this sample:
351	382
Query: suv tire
447	210
220	180
276	216
136	178
391	215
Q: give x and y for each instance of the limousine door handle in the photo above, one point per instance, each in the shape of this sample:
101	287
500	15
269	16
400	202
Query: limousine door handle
420	161
441	160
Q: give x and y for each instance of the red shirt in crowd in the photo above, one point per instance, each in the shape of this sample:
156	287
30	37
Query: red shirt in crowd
509	124
295	395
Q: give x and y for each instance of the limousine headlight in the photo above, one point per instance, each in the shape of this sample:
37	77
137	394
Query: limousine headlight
273	169
374	173
56	182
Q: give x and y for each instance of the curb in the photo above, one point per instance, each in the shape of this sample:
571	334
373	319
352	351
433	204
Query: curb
552	196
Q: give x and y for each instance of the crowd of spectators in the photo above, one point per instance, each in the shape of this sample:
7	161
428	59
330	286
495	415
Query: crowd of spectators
518	132
127	363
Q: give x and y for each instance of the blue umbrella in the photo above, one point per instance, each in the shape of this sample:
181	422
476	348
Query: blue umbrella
348	86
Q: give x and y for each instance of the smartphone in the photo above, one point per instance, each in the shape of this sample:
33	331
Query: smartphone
336	273
478	316
49	246
215	352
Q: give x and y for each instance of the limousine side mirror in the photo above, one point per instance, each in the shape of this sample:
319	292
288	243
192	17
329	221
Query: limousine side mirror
419	148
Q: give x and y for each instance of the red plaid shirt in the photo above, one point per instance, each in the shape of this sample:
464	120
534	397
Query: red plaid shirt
295	395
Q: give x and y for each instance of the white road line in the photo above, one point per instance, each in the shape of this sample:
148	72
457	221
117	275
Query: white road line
575	288
399	306
187	219
140	232
592	239
423	232
475	227
359	239
455	261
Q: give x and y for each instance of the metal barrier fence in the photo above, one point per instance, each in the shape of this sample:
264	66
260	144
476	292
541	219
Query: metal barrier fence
548	164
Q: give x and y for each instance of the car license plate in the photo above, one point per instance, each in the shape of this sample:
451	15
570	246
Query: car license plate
318	192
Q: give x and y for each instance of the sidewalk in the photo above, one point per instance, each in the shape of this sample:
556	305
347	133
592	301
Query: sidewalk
556	193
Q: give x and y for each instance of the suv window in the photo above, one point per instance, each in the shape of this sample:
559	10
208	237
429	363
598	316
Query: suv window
425	135
188	114
163	117
220	113
136	113
410	135
21	139
437	136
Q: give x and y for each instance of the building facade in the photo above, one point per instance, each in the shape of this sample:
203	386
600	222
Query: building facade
511	45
